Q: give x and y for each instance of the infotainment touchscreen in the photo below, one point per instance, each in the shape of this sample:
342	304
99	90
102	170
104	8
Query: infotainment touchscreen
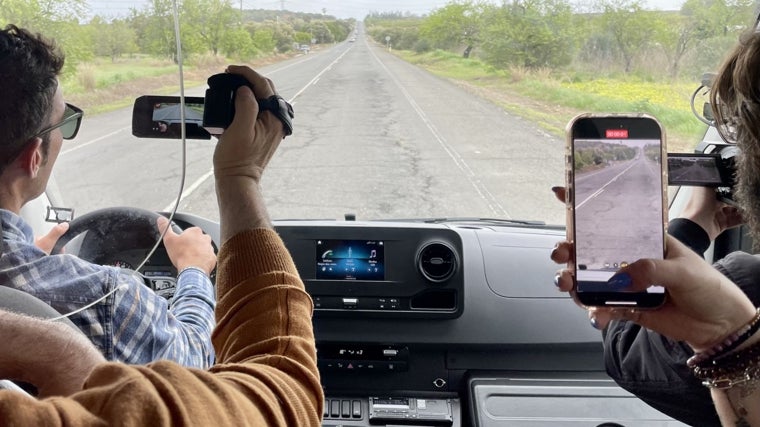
350	260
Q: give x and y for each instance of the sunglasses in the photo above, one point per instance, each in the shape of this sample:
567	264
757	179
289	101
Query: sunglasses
72	118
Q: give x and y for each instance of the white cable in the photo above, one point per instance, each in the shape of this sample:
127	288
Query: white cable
175	13
63	316
136	272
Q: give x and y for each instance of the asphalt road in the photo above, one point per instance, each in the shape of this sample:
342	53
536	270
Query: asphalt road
699	170
374	136
618	216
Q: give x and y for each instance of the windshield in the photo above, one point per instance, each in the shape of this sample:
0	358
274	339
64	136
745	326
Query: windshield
403	110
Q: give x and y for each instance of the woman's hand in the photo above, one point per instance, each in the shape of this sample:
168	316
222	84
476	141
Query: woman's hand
702	305
711	214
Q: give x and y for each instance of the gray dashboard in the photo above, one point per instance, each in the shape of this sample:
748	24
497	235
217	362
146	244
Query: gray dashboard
498	335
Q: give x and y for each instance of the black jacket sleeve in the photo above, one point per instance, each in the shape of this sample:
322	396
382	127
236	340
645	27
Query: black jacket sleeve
652	366
690	234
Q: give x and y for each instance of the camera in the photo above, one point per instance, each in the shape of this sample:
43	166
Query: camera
219	105
717	169
161	116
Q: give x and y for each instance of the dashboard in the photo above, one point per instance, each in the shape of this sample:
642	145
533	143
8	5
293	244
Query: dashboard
449	325
443	324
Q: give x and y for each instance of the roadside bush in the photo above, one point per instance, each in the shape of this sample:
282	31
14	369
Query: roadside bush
422	46
518	73
205	60
85	75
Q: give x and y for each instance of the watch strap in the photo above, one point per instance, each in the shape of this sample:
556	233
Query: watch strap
281	109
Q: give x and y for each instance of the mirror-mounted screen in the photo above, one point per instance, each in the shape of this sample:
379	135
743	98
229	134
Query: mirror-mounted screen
161	117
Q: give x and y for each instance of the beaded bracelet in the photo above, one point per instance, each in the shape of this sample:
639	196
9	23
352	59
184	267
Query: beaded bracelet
733	341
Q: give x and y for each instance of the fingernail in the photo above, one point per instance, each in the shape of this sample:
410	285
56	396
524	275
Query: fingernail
594	322
620	280
554	250
556	280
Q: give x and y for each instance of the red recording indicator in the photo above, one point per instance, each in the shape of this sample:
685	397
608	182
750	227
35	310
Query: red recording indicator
616	133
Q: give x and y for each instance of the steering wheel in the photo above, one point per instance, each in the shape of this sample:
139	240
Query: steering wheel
112	230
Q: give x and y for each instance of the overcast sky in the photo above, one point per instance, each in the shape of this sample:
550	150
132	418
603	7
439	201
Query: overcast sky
340	8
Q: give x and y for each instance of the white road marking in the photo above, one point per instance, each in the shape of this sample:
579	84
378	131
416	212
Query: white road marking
98	139
189	190
599	191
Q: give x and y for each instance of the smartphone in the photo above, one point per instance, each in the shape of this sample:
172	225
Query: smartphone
617	193
161	117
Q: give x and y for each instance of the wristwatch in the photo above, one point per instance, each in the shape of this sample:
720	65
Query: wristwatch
281	109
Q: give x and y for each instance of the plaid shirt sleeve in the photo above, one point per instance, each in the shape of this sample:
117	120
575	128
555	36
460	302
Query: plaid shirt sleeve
146	329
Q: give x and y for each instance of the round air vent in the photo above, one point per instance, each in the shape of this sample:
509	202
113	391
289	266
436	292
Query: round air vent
437	262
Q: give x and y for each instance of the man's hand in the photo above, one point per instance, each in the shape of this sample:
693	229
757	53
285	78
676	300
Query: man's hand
247	145
244	150
48	241
192	248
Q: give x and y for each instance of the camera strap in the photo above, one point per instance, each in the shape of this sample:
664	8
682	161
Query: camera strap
281	109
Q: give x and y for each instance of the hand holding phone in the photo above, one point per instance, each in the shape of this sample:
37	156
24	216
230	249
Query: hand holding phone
616	199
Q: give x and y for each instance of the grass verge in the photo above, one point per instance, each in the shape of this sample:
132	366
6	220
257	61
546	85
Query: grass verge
551	99
101	86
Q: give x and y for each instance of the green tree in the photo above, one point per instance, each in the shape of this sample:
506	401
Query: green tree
456	24
154	26
302	37
283	34
264	40
113	39
320	31
339	29
698	22
55	19
208	21
712	18
239	44
676	34
36	14
630	26
530	33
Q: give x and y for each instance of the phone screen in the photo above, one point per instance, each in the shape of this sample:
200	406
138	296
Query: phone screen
618	198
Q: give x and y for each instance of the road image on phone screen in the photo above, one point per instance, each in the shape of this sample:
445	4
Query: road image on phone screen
618	212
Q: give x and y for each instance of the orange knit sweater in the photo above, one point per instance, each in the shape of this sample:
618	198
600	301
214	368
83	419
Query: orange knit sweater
266	372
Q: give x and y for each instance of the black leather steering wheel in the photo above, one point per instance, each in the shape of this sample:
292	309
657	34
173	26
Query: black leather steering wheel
112	230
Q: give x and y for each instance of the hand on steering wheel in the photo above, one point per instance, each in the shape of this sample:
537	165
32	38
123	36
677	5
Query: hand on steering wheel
111	231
